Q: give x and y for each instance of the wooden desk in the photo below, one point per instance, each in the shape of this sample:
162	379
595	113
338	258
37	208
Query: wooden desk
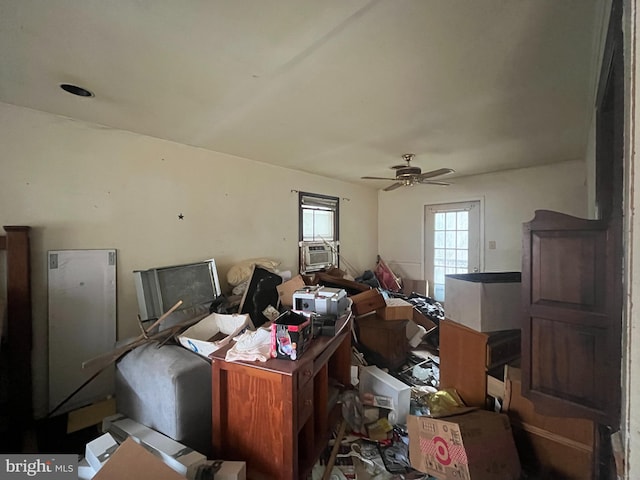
278	415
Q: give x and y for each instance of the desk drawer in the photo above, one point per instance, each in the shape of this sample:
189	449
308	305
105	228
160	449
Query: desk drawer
305	374
502	347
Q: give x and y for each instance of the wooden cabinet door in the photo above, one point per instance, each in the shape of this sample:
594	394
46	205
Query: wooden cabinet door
463	362
571	327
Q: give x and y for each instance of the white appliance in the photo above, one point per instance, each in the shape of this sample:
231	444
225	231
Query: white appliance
317	256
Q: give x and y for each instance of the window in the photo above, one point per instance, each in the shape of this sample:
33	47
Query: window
452	243
318	232
318	218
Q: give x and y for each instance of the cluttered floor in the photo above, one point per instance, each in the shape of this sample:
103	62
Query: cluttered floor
378	451
381	455
395	395
375	446
370	443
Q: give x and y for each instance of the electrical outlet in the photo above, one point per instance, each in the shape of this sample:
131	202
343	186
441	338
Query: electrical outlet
492	244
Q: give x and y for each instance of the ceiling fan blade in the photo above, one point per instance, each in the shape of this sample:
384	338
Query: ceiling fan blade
433	182
377	178
393	186
436	173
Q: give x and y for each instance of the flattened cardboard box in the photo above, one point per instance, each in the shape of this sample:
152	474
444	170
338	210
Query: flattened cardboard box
187	463
172	453
133	462
477	445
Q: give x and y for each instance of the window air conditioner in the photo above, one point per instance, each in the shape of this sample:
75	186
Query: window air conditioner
316	256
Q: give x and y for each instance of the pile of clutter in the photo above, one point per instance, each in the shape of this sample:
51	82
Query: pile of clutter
392	431
372	442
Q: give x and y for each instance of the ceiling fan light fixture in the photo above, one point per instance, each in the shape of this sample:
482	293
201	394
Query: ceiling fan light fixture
408	175
76	90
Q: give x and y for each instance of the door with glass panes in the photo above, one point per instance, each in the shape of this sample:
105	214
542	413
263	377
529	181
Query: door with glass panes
452	243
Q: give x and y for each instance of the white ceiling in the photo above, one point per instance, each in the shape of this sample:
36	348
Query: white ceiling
340	88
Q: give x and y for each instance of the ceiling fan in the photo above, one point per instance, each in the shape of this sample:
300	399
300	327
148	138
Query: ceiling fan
407	175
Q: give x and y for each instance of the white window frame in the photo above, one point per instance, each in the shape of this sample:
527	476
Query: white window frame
314	201
323	246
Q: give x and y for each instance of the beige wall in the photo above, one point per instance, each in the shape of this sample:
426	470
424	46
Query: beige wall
508	199
83	186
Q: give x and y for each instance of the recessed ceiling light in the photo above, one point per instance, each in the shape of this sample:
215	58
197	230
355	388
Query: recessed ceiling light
76	90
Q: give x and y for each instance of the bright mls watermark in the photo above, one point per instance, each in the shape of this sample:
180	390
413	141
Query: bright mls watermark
38	466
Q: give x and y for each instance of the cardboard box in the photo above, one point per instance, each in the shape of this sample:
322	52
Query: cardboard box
290	335
176	455
367	302
286	289
396	309
201	338
133	462
486	302
474	446
410	286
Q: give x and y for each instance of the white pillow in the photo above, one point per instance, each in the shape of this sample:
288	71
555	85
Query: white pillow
241	272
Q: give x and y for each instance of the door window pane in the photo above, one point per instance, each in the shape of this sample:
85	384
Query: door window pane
463	220
462	259
451	239
462	240
451	220
451	258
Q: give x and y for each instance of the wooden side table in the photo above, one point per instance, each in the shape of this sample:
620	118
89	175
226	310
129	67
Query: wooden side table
278	415
466	357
